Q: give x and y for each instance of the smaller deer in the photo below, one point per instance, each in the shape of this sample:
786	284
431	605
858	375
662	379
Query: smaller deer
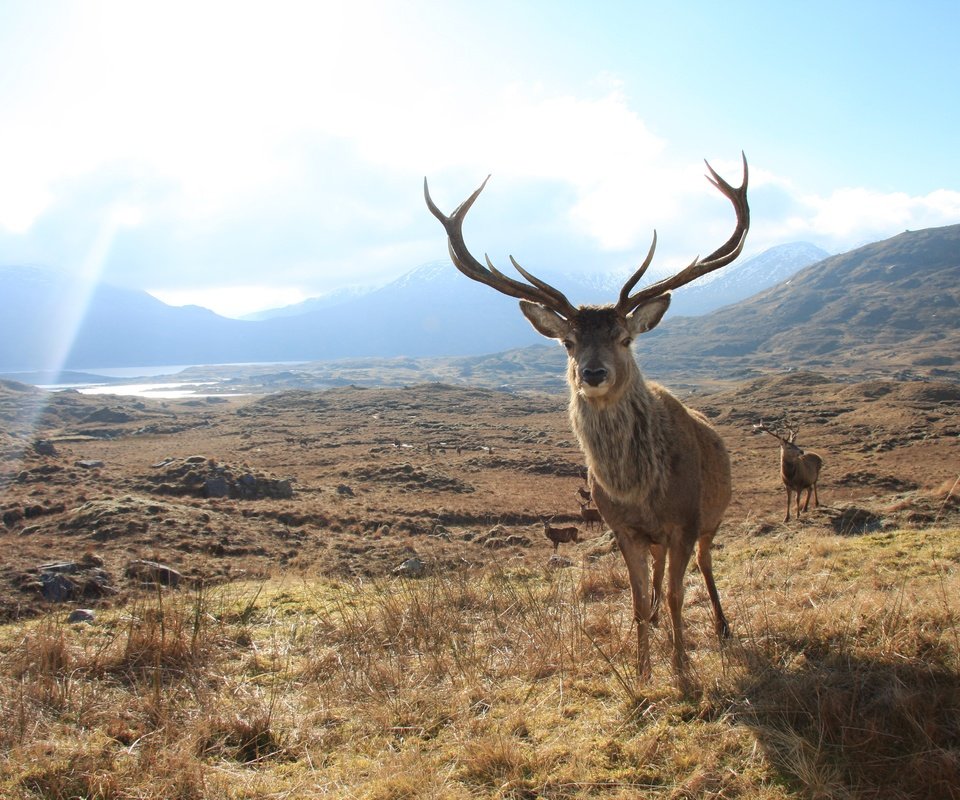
560	535
590	516
584	494
798	470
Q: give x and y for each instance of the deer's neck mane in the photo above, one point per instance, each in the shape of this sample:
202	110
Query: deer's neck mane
625	441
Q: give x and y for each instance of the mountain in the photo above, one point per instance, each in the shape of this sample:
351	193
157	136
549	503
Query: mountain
885	308
335	298
730	285
891	304
743	279
48	321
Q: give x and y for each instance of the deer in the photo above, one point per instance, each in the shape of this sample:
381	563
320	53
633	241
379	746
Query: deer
658	472
799	470
560	535
584	494
591	516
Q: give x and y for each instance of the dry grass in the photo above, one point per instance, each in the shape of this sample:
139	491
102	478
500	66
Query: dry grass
842	681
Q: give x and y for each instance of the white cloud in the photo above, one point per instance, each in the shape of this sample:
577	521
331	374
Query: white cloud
850	216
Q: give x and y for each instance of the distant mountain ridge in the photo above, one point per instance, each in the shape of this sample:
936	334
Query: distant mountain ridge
730	285
743	279
837	308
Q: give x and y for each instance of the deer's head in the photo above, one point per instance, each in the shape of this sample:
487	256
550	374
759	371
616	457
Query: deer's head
788	446
598	339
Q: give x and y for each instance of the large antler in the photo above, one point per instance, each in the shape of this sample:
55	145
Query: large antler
538	291
776	435
718	258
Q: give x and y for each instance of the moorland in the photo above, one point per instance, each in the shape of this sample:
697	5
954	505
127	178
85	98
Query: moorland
348	593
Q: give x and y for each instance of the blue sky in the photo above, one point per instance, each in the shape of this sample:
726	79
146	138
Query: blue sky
247	155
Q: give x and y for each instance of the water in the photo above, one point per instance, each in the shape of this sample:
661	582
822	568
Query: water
159	390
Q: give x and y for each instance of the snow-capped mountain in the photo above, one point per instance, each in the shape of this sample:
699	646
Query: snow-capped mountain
744	279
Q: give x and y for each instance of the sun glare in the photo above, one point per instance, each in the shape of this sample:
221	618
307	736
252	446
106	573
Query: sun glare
232	301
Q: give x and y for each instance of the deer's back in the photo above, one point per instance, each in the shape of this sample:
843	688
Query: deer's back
801	472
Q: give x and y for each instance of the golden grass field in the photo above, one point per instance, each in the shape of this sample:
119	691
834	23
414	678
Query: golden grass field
292	662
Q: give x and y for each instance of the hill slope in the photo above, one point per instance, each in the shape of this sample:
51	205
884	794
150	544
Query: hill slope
887	307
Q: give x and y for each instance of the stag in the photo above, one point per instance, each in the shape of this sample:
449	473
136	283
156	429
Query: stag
658	472
799	470
590	516
560	535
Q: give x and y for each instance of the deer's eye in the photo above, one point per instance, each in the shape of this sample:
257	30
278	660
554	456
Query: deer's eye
568	343
626	342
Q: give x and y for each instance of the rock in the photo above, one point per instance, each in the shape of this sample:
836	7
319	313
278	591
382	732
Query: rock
559	562
89	463
57	587
217	486
411	568
12	516
79	615
152	572
108	415
86	579
345	490
59	568
44	447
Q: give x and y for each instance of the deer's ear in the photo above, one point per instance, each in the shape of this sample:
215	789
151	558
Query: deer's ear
647	316
548	323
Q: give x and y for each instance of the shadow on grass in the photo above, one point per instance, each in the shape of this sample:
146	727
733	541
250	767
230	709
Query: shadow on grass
839	726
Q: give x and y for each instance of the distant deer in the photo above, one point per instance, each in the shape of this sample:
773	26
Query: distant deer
590	516
560	535
659	474
798	470
584	494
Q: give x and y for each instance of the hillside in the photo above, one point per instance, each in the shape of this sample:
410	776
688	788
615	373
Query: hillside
892	307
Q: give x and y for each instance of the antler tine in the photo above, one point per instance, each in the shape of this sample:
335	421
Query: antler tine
699	267
539	292
628	286
763	427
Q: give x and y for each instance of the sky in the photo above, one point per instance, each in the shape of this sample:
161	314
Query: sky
243	156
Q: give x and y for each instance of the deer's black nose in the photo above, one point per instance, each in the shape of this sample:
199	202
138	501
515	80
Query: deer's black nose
593	377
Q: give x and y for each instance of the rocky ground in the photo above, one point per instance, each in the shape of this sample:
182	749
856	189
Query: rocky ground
101	496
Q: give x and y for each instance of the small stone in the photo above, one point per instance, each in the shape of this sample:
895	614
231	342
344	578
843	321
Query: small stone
411	568
152	572
79	615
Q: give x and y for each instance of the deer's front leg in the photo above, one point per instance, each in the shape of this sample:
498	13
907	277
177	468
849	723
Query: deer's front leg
636	554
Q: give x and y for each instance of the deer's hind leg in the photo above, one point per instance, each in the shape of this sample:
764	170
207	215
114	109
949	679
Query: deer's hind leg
659	563
705	563
680	551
